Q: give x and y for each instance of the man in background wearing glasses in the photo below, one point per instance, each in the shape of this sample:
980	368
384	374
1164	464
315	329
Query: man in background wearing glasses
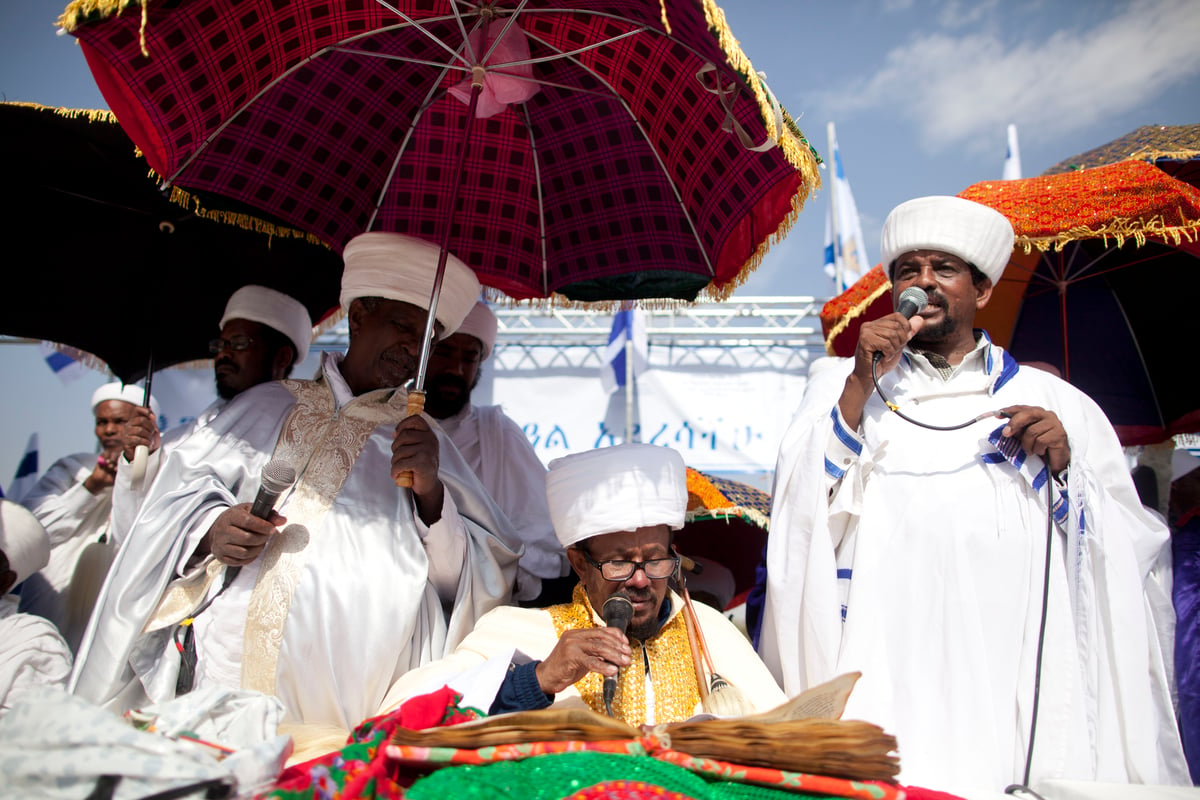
614	509
263	334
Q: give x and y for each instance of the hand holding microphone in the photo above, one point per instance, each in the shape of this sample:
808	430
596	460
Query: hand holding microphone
583	650
910	303
618	611
242	531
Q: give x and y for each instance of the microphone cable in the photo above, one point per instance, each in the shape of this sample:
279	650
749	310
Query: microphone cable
896	409
1041	640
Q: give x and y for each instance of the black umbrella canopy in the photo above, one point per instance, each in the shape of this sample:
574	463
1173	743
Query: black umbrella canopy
1118	331
99	259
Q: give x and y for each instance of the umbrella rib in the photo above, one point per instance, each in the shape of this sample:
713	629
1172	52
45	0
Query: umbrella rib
657	157
537	182
436	40
1137	346
434	88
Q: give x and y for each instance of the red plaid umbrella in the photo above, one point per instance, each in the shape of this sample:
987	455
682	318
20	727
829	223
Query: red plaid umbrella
623	149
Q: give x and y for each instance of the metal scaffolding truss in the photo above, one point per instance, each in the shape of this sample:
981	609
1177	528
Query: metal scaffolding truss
768	332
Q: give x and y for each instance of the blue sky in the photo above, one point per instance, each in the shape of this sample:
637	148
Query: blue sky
921	93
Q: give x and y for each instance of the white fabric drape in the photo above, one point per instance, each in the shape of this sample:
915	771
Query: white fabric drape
349	604
496	448
932	547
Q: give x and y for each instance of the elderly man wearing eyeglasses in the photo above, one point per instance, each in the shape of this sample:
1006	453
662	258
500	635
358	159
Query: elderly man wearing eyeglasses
614	510
263	335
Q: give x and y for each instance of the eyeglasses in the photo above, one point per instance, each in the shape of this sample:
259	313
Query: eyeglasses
236	343
656	568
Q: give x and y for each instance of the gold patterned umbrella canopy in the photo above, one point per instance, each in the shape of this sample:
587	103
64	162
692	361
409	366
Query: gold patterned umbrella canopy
1175	149
1100	285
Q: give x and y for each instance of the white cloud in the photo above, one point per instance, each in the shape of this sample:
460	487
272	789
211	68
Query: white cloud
962	89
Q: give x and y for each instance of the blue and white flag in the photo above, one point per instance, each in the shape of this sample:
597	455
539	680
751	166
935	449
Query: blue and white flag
27	471
845	257
629	324
1012	159
66	367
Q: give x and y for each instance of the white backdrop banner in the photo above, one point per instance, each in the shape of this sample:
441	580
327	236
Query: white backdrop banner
727	417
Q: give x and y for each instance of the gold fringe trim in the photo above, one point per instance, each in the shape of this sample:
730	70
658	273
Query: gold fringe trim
857	311
81	12
248	222
730	512
1149	154
662	5
90	114
1120	229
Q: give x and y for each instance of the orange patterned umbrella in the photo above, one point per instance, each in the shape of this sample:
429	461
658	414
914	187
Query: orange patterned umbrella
1074	287
727	522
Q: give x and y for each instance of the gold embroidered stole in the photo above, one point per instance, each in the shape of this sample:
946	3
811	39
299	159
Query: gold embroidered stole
322	443
676	693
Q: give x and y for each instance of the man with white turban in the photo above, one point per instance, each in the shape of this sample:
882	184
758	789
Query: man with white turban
496	447
352	581
264	333
918	556
32	653
614	510
72	501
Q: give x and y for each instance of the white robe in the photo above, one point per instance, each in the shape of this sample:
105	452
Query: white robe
931	545
349	597
32	653
73	518
126	500
532	632
501	455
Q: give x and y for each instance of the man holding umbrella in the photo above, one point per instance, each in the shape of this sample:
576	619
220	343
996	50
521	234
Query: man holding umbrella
263	334
352	581
965	532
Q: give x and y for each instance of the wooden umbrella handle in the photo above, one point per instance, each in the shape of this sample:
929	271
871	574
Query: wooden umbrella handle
416	404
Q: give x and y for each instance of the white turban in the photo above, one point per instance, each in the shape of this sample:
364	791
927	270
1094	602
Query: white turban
972	231
613	489
274	309
119	391
481	323
399	267
23	540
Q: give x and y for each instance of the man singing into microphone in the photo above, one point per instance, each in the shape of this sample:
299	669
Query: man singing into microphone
614	509
918	556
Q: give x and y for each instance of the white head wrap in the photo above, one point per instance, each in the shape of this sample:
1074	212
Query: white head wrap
481	323
23	540
118	391
274	309
972	231
613	489
399	267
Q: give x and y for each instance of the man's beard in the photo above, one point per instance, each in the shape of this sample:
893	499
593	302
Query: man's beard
650	628
939	331
227	392
439	405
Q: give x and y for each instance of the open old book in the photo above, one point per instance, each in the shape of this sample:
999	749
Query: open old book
805	734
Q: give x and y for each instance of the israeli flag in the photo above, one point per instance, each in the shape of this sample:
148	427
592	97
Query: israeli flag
1012	159
846	252
629	325
66	367
27	471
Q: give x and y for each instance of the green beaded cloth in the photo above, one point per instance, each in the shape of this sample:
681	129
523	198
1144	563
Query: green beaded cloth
551	777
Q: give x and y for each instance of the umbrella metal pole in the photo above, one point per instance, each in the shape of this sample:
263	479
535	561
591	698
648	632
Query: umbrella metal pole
141	454
416	396
629	435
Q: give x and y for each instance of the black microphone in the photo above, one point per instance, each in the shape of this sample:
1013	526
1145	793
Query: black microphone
912	300
277	477
617	613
